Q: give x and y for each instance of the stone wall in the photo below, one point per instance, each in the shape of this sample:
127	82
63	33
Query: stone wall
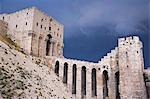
124	67
113	84
117	75
79	66
19	27
47	28
32	29
3	28
107	64
24	77
131	67
147	81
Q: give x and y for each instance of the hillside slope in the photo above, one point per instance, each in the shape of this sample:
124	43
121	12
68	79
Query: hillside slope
21	78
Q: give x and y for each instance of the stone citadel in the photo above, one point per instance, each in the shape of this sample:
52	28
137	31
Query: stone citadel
118	75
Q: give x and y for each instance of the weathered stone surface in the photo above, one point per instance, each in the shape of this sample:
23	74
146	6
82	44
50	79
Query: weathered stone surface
23	78
119	74
3	28
147	81
30	29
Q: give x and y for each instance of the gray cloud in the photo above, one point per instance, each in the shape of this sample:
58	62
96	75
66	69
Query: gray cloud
0	7
126	16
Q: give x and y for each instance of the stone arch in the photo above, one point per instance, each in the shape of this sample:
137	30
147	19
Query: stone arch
48	44
40	45
57	68
117	75
74	77
65	74
83	81
105	84
94	82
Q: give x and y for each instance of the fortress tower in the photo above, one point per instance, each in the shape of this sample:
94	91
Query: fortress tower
118	75
34	31
131	68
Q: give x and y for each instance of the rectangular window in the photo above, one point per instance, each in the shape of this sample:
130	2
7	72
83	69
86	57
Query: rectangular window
49	28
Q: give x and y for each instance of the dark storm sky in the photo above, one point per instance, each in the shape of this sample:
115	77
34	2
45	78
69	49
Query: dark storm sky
93	26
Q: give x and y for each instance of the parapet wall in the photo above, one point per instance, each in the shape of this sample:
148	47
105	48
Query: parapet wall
111	59
128	41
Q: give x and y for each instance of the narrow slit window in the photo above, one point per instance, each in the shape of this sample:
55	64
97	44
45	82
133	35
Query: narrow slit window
37	24
3	18
74	71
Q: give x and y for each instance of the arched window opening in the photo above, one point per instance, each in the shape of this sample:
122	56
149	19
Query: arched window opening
94	83
65	75
48	43
74	77
57	68
83	82
105	84
117	85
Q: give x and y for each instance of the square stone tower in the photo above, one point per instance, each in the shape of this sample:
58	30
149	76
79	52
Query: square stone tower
131	67
34	31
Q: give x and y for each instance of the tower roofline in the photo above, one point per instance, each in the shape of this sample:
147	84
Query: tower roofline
34	8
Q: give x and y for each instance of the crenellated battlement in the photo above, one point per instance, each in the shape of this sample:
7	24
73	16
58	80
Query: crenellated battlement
130	41
111	54
42	36
131	63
